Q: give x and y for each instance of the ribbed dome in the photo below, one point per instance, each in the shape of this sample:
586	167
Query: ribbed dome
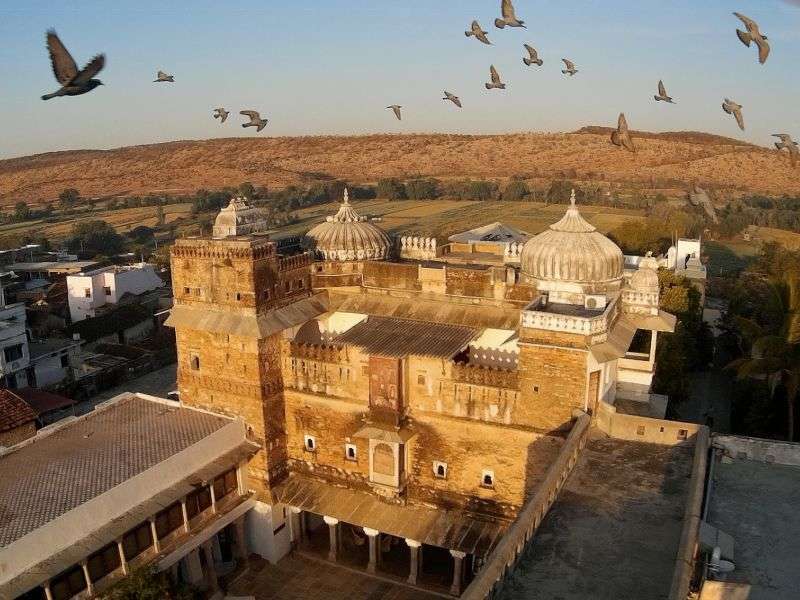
572	250
645	279
348	236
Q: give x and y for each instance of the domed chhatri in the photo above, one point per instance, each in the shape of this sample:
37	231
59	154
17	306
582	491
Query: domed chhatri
645	279
348	236
572	256
239	218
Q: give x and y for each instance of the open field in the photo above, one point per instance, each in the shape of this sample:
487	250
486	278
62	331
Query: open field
669	162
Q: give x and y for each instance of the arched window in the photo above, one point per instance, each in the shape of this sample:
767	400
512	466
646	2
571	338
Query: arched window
383	459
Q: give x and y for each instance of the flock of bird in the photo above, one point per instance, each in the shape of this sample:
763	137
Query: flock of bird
75	82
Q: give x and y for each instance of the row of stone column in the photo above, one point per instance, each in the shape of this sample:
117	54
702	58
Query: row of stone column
299	532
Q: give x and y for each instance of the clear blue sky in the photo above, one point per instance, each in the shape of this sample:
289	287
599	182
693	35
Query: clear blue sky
330	67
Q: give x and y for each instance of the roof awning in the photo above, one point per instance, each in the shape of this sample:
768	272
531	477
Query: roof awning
663	321
452	529
620	337
248	325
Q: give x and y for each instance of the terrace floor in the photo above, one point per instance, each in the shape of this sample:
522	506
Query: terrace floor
614	530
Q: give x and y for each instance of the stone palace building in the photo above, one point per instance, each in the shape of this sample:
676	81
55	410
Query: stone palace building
406	408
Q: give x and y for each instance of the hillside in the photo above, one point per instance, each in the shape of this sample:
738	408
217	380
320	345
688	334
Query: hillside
669	161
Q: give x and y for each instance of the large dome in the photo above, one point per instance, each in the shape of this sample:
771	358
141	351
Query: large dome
348	236
572	251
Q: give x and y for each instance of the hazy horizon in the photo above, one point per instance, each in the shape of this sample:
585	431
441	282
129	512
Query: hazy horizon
330	69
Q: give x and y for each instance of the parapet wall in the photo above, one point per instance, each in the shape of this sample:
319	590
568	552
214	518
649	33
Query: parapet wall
502	560
644	429
416	248
770	451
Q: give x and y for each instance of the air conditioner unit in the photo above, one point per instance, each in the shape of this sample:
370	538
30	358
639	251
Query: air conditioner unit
595	302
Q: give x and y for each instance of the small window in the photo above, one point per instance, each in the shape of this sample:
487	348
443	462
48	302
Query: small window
439	470
107	290
422	379
238	296
487	479
300	284
365	370
195	362
640	430
197	291
682	434
187	290
87	292
536	389
265	294
310	443
351	452
65	360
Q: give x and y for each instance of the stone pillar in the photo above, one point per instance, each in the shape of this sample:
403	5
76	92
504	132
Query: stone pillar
241	541
154	532
333	532
213	497
185	512
372	534
47	593
194	570
123	563
210	571
88	578
458	557
294	526
413	547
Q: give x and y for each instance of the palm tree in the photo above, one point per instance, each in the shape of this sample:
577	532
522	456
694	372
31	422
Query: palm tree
775	357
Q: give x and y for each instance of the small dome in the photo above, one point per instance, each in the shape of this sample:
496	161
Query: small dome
645	279
572	250
348	236
239	218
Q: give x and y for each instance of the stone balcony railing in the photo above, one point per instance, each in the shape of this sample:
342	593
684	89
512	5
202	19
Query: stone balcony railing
551	321
287	263
328	354
488	376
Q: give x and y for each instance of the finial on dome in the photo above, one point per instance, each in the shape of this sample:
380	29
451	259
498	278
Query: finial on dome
572	198
346	198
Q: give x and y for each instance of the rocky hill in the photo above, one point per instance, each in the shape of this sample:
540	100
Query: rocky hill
665	160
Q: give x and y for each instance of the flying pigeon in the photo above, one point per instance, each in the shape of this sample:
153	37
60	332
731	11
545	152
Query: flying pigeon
221	114
396	108
570	70
753	34
496	83
73	82
480	34
255	120
454	99
730	107
162	77
662	93
621	136
534	56
509	18
789	144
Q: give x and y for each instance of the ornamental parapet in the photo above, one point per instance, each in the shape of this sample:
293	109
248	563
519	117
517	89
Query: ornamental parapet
318	352
297	261
223	248
488	376
568	323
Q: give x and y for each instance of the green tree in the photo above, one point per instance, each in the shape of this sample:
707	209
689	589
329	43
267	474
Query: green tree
515	190
481	190
69	197
775	357
95	238
21	211
391	189
247	190
422	189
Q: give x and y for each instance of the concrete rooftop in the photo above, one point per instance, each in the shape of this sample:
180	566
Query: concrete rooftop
613	532
756	503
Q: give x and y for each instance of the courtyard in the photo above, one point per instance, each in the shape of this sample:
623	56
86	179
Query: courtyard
300	577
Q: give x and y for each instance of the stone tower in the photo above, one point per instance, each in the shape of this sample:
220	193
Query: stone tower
230	294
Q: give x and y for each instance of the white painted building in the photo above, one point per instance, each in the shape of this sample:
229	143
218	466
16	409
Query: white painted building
91	290
14	352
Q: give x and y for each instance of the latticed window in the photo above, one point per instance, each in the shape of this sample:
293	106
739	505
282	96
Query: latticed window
103	562
198	501
137	541
225	484
68	584
169	519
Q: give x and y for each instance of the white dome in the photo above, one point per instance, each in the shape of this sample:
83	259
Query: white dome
239	218
645	279
572	251
348	236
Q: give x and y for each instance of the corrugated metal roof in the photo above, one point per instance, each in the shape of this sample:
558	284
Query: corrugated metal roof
389	336
445	528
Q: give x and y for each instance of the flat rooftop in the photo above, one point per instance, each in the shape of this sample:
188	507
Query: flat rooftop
77	460
613	533
67	266
756	503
